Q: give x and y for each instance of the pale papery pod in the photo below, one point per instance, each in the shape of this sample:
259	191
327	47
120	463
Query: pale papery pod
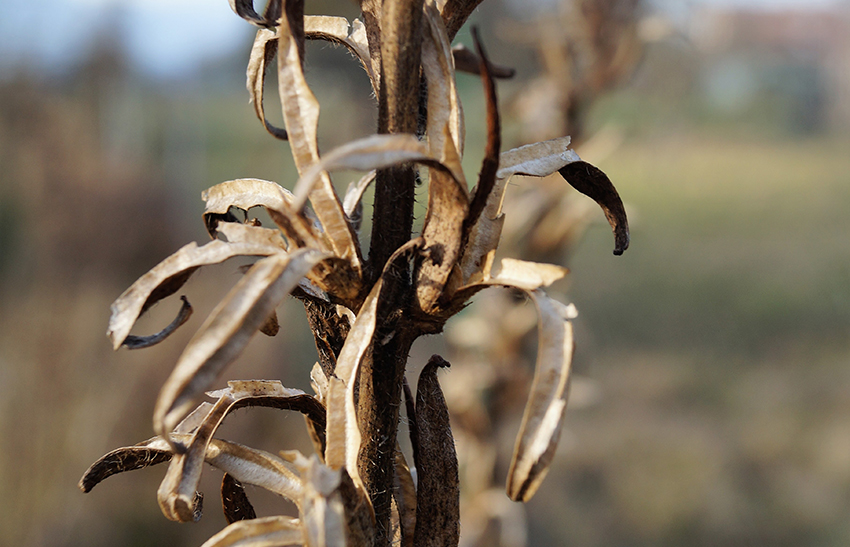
257	467
338	30
343	430
227	331
537	160
444	107
372	152
262	53
543	417
176	493
319	382
168	276
322	509
260	532
448	203
301	114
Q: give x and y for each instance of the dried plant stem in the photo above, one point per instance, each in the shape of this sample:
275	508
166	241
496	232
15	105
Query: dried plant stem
392	222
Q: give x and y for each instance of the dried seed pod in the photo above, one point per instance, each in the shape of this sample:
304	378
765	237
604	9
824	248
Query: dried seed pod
438	495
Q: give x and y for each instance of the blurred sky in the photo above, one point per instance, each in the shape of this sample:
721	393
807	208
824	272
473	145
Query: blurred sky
166	39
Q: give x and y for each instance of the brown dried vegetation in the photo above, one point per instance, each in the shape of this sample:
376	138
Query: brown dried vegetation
365	309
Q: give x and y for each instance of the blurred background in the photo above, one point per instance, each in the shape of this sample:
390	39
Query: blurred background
710	403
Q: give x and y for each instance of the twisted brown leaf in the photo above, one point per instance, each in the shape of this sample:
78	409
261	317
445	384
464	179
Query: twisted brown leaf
444	107
139	342
490	164
227	331
442	231
538	160
301	114
595	184
129	458
262	53
544	413
168	276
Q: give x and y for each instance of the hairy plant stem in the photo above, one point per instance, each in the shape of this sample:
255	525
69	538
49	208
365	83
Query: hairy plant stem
382	370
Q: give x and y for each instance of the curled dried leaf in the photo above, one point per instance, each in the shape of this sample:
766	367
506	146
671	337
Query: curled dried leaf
490	164
444	107
168	276
527	275
301	114
595	184
184	473
373	152
227	331
544	413
138	342
262	53
234	501
518	274
438	495
260	532
538	160
246	193
246	465
129	458
448	203
352	204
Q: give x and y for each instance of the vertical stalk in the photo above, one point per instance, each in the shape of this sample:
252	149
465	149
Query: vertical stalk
392	222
